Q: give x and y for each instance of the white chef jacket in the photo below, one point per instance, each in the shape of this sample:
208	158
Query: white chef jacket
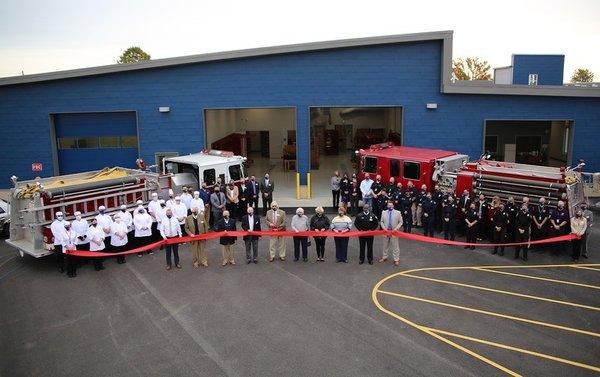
160	214
104	221
127	219
170	203
57	227
180	211
170	227
142	221
115	228
198	203
81	228
96	234
153	207
68	240
186	199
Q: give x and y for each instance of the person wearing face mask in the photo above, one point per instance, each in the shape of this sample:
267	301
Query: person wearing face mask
345	186
179	210
471	219
251	223
232	194
483	208
464	203
559	220
169	228
300	224
243	203
153	208
253	192
127	219
57	227
512	210
276	221
365	190
354	197
226	224
104	223
335	189
217	202
118	237
449	218
266	189
96	236
578	228
391	220
320	223
205	196
194	226
171	201
376	189
186	199
406	204
341	224
589	217
428	207
143	229
80	227
523	226
541	214
197	202
69	241
364	222
499	223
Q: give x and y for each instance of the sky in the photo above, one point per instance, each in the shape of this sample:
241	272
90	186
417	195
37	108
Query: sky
44	36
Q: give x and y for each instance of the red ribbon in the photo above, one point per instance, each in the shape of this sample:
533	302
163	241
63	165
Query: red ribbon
329	233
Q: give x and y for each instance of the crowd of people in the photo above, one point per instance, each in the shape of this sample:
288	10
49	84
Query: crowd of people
387	206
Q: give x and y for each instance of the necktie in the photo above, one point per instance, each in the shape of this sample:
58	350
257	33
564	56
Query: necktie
196	226
390	219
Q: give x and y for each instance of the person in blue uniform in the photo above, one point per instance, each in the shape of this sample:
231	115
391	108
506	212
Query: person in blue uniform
406	203
483	208
471	219
539	228
523	226
449	218
463	206
438	198
499	224
428	206
376	188
365	221
559	220
511	209
382	200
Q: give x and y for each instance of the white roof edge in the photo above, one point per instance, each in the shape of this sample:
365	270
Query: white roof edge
521	90
227	55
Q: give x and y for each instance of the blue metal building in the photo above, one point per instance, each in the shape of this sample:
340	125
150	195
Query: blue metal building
88	118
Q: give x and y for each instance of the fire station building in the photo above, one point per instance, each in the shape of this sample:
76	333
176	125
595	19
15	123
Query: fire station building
303	108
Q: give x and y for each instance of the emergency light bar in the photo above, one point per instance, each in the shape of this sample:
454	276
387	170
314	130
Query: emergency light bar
216	152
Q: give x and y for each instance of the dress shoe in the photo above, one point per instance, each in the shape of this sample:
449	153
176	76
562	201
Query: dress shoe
305	259
151	252
255	261
361	262
205	264
178	265
271	259
168	268
295	259
224	264
232	263
282	259
585	256
381	260
370	262
345	261
248	261
525	259
397	263
196	265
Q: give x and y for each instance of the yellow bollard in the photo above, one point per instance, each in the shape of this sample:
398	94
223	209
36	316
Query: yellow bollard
297	185
308	187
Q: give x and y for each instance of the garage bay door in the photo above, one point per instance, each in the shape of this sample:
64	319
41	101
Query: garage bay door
91	141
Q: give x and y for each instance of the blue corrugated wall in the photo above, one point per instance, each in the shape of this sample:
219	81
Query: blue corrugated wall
406	75
549	69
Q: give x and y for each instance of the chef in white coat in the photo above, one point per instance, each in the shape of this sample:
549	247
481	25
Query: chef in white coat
68	239
57	227
80	227
96	235
143	228
118	237
180	212
104	222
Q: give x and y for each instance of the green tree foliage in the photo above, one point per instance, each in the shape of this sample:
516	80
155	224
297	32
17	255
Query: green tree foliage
471	68
582	75
132	55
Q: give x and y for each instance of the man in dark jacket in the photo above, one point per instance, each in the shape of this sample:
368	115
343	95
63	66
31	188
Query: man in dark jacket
449	218
471	219
483	208
253	192
522	224
226	223
251	223
365	221
406	203
320	223
500	224
438	198
428	207
266	190
463	206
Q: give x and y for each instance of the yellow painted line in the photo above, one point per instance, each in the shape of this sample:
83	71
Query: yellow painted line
499	267
504	292
494	314
585	268
517	349
437	336
537	278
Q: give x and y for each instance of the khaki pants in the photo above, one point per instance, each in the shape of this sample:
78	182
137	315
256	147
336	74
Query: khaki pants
390	244
206	213
199	254
417	211
227	252
277	244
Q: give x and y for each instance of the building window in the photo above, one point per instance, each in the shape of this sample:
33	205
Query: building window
235	172
370	165
87	142
129	142
67	143
109	142
533	79
209	177
412	170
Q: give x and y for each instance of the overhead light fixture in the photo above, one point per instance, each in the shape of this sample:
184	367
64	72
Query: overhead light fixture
432	106
164	109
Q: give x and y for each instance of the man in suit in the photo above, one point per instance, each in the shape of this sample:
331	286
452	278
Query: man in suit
251	223
196	224
266	189
391	219
253	192
217	203
226	223
276	221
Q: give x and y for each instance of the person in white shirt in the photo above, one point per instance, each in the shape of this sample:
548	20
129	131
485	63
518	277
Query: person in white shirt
57	227
169	228
118	237
96	235
104	222
143	229
179	210
171	200
69	240
80	227
186	198
127	218
153	207
197	202
365	189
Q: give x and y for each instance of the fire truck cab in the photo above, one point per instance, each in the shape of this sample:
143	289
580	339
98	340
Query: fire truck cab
204	167
419	165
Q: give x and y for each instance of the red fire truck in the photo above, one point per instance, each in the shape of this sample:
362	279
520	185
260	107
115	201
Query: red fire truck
453	172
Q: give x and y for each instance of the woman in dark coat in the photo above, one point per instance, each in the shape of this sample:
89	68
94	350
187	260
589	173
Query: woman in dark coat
320	223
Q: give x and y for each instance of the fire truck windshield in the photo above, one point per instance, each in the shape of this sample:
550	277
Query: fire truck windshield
370	164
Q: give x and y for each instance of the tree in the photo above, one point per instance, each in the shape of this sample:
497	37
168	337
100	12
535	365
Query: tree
132	55
582	75
471	69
